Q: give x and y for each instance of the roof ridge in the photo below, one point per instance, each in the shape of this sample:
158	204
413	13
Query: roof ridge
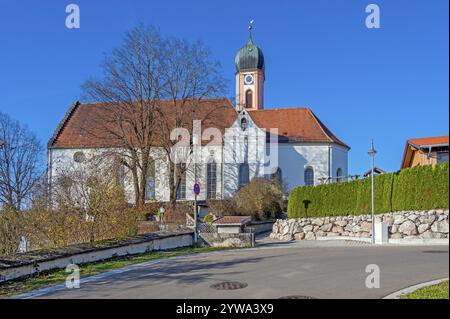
216	99
282	108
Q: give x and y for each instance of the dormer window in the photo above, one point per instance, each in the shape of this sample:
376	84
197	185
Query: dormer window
244	124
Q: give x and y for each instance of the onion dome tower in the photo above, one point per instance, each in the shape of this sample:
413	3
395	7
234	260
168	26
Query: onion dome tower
250	76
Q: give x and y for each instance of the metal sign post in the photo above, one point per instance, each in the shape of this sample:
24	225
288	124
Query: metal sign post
196	192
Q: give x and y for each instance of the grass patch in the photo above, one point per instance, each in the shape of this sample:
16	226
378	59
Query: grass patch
58	276
439	291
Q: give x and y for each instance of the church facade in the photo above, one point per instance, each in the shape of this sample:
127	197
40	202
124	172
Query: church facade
291	143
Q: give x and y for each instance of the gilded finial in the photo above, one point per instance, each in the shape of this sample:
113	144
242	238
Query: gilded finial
250	28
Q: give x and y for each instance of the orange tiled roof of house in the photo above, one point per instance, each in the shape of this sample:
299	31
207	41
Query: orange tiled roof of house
414	153
427	141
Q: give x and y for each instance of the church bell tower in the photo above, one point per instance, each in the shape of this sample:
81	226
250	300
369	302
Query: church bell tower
250	76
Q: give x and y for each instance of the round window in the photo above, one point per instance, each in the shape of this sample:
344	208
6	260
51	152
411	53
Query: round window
79	157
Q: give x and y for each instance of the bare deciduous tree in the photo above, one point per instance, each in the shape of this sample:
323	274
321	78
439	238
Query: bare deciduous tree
19	162
151	85
189	77
92	193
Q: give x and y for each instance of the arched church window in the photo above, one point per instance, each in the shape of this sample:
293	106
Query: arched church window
309	176
150	187
339	175
244	124
121	176
243	174
119	172
249	99
181	191
211	179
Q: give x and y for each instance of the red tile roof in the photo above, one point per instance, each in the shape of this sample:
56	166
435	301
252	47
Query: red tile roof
90	125
428	141
232	220
93	125
297	124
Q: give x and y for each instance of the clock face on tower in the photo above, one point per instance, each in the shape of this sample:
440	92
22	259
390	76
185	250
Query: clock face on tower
248	79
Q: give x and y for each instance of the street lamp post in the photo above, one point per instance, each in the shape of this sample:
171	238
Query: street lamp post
196	193
372	153
161	217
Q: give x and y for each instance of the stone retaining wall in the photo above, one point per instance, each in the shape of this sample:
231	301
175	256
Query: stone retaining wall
228	239
26	264
402	225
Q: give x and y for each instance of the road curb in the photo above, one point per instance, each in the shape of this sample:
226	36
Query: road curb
397	294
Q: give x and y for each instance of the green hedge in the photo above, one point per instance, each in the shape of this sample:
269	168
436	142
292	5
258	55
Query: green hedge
418	188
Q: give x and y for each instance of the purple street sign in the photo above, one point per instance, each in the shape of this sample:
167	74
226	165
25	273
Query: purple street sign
197	188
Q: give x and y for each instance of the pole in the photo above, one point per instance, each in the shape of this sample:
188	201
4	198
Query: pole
373	202
195	205
195	220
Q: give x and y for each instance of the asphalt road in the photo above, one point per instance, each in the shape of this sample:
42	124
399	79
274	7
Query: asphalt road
271	271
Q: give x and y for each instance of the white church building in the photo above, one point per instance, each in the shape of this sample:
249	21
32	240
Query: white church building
255	142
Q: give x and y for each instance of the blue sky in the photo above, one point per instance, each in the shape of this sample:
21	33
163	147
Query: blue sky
389	84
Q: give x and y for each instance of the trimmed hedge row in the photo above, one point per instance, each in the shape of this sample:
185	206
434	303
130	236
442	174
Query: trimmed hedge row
418	188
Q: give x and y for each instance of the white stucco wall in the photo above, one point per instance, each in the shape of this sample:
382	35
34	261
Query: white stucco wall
239	146
339	159
242	146
222	229
294	158
61	162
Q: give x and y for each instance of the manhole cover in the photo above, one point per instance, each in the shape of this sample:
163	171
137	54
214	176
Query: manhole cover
297	297
229	285
436	251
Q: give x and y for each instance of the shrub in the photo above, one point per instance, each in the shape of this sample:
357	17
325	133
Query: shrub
208	218
151	208
105	216
224	207
177	214
88	206
421	187
261	199
11	230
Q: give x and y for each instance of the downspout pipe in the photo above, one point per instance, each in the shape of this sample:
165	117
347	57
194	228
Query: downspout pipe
329	163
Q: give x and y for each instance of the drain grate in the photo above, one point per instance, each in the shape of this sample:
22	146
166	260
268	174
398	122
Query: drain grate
229	285
297	297
436	251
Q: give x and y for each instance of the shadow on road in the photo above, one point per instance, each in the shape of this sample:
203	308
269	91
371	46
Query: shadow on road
183	271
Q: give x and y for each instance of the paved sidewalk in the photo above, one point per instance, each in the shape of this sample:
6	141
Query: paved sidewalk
263	241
